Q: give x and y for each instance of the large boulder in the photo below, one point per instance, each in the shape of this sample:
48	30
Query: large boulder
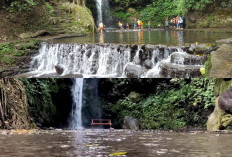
134	71
225	100
170	70
131	123
221	62
221	118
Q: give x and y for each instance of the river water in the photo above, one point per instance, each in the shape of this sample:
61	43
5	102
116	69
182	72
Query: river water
101	143
164	37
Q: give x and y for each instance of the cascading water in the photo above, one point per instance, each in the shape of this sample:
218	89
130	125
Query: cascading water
114	60
76	113
99	11
104	13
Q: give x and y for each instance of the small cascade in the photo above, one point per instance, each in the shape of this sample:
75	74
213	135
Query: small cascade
76	113
115	60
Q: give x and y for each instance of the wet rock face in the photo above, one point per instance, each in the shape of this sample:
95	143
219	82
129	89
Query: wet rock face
131	123
225	101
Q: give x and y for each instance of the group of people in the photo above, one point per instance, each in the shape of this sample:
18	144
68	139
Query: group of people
123	26
138	24
176	22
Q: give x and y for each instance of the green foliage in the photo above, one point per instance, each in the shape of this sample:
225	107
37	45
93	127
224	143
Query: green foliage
21	5
44	97
156	11
50	9
177	104
9	50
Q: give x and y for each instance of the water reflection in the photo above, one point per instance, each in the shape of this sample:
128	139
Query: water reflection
180	37
166	37
140	37
101	38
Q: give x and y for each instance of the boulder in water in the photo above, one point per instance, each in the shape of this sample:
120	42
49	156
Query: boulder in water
134	71
59	69
130	123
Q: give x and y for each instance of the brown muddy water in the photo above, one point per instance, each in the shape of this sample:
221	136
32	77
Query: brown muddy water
101	143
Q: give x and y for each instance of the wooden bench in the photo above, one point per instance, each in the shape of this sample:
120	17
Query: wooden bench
101	122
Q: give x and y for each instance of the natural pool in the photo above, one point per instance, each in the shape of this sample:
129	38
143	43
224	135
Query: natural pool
165	37
102	143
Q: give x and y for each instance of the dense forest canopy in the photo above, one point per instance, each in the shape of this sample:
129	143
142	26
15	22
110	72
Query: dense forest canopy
157	10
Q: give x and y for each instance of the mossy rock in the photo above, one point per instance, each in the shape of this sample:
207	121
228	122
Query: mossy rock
221	85
134	96
214	121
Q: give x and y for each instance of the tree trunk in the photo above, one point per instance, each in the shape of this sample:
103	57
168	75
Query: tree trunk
13	105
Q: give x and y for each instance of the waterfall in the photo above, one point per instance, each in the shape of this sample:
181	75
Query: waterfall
76	113
104	13
115	60
99	11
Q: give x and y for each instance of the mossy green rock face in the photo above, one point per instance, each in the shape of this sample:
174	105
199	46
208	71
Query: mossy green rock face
221	118
214	121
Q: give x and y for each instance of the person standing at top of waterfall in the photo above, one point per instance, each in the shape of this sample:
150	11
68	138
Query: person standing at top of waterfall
101	26
149	25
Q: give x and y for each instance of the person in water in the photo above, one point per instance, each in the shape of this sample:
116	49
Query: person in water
101	26
135	24
139	26
149	25
119	24
127	26
166	23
